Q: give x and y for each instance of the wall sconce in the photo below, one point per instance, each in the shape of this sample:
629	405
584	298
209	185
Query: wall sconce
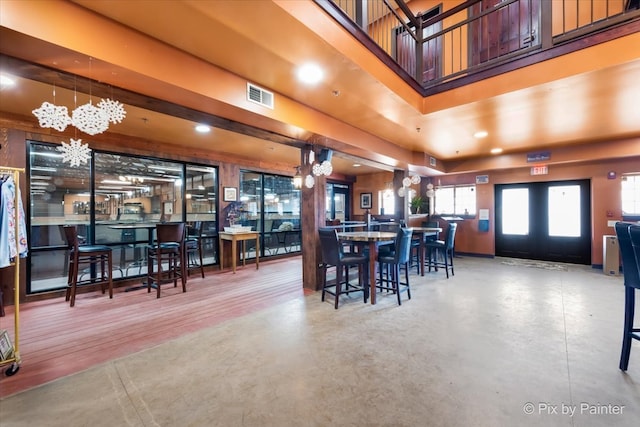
297	178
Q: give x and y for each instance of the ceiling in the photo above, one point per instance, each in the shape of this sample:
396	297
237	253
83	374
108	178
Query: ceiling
361	109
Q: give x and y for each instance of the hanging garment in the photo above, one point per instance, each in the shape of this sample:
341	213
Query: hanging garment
8	248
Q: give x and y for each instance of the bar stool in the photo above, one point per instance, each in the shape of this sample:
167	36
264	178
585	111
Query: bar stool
444	249
629	244
394	260
193	247
86	255
333	255
169	249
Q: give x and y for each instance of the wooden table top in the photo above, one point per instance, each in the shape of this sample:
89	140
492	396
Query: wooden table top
366	236
427	229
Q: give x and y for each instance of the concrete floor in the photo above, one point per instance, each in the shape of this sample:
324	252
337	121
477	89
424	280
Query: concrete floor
495	345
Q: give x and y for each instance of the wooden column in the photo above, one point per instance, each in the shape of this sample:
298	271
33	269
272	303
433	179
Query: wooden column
228	176
312	217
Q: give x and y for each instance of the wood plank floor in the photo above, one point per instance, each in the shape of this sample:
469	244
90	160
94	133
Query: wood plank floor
56	340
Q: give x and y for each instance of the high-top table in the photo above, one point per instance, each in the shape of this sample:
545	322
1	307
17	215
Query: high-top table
141	260
234	238
373	239
424	232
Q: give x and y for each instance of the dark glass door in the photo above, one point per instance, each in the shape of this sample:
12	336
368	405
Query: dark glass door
548	221
337	203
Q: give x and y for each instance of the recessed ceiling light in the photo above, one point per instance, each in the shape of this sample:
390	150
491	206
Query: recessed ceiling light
481	134
310	74
6	81
203	129
496	150
356	165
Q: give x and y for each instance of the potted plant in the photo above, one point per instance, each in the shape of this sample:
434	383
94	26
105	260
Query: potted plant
416	204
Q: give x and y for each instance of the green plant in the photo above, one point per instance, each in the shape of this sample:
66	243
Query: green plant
416	202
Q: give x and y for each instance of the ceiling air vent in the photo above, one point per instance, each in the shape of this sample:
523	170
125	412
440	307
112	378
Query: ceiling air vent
259	96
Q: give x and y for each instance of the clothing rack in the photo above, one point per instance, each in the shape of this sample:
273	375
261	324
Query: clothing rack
15	360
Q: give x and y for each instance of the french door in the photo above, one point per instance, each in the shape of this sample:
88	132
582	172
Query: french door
549	221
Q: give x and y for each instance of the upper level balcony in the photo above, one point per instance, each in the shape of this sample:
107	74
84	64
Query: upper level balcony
456	43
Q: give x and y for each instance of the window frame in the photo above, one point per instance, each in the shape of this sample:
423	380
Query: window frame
635	192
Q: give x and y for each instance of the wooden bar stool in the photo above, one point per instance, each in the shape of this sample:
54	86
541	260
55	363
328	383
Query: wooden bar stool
169	250
90	257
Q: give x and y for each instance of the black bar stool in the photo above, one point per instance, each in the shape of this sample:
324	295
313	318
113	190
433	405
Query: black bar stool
394	260
333	255
629	244
193	247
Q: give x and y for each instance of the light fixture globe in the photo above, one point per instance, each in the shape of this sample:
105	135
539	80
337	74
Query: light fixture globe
327	168
309	181
406	182
415	179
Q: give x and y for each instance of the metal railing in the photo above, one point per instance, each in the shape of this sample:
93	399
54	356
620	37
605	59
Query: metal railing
439	45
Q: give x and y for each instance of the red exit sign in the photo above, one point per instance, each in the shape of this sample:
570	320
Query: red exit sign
539	170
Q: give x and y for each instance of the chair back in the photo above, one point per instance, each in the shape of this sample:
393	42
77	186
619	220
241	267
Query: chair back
331	248
391	227
629	258
195	229
451	235
432	224
170	232
403	245
71	236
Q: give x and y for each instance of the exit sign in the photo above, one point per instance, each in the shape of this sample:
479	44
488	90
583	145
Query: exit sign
539	170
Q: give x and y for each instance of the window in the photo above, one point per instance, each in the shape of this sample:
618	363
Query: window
456	200
631	195
445	200
387	202
117	203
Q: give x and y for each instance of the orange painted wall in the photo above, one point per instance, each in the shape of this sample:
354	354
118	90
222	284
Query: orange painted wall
605	199
371	183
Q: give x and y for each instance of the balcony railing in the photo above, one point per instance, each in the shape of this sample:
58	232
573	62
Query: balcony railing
440	46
